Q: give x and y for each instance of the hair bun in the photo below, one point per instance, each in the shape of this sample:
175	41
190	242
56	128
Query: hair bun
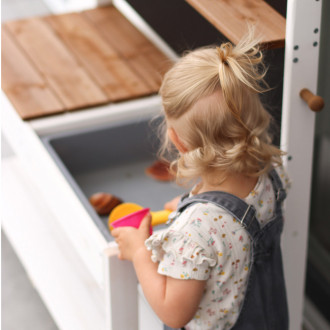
224	51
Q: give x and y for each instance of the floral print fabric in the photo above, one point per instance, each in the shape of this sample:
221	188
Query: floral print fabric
207	243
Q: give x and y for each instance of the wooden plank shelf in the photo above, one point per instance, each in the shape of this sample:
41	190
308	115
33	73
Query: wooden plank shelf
23	84
231	18
66	62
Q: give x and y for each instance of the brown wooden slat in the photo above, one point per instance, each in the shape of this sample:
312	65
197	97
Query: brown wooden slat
147	60
64	75
22	83
231	17
65	62
112	73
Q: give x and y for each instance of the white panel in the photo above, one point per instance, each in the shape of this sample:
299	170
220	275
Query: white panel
148	320
64	6
56	192
297	138
70	293
98	116
120	291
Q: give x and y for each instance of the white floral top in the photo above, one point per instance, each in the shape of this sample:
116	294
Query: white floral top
206	243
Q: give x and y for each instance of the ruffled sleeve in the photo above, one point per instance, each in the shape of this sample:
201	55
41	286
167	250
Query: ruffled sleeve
179	256
284	176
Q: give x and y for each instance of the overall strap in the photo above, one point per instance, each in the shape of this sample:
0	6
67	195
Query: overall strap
239	209
279	191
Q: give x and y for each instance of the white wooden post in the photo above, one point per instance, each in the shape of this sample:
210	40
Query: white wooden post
297	138
121	290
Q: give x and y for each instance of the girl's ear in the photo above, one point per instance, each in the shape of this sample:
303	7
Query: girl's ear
176	140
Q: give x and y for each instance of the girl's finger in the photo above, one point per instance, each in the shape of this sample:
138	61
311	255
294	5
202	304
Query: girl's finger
114	232
146	222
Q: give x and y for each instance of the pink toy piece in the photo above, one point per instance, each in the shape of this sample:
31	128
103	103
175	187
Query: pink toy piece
132	220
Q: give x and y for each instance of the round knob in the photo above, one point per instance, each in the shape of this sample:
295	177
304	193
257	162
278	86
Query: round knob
315	102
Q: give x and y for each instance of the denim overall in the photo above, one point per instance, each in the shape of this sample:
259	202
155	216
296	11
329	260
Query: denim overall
265	305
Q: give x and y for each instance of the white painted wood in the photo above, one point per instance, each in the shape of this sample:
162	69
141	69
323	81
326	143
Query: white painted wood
297	138
93	117
55	191
65	6
119	283
20	9
121	292
67	288
148	320
303	17
125	303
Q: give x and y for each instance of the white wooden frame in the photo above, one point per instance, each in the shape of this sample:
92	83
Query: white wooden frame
114	278
65	6
99	266
303	18
297	138
68	289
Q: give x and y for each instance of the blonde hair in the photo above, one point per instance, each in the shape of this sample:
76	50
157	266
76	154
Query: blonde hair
211	98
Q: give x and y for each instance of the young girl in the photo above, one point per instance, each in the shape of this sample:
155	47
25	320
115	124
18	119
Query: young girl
219	265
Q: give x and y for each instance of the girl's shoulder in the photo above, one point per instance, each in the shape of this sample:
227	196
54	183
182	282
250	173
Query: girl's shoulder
201	231
205	212
284	176
203	221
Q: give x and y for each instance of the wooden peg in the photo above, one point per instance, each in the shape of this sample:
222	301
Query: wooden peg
315	102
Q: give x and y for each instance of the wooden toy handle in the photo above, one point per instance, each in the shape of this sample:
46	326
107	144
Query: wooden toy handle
315	102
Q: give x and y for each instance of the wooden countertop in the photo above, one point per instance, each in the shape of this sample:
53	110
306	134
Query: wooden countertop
231	18
66	62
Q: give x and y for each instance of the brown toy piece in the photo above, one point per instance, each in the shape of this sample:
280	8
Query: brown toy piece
103	203
160	170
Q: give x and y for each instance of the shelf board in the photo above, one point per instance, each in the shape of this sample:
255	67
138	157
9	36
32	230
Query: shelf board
231	18
67	62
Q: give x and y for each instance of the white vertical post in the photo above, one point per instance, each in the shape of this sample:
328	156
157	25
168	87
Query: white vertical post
297	139
121	287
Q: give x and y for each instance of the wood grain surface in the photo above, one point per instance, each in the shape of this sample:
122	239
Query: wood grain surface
56	63
98	57
23	84
232	17
72	61
141	55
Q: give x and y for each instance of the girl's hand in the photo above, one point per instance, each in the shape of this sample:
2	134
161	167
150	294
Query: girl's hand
173	204
130	239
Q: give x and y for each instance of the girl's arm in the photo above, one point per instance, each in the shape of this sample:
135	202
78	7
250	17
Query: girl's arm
173	204
175	301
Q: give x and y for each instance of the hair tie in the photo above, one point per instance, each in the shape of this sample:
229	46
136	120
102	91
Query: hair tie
223	51
222	56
